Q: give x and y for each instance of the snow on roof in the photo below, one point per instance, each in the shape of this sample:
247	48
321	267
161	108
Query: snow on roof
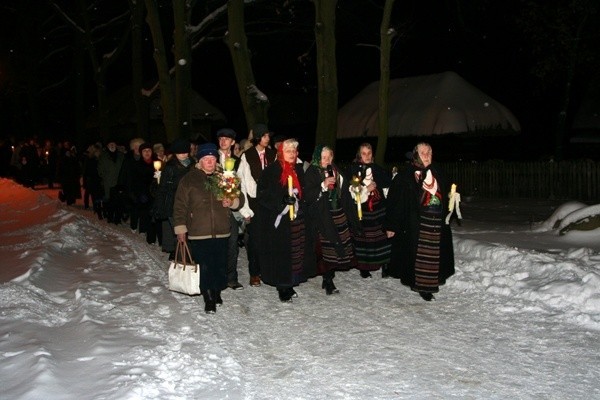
423	106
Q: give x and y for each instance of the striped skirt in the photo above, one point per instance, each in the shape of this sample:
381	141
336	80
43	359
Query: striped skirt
427	263
297	237
326	254
373	248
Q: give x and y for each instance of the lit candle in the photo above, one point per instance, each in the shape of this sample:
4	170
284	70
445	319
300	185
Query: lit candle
157	165
291	193
358	204
452	195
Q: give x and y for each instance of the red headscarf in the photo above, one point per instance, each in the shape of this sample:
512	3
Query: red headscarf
288	169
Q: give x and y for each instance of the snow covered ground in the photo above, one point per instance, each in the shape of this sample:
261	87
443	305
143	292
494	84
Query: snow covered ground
85	314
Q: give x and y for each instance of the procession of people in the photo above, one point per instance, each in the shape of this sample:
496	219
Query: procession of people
297	220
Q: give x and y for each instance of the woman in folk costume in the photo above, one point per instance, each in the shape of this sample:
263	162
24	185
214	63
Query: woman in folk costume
368	180
422	252
327	203
284	261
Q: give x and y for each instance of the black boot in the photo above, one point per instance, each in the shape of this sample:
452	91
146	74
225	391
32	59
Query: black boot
210	307
427	296
365	274
384	271
218	299
285	294
329	287
328	283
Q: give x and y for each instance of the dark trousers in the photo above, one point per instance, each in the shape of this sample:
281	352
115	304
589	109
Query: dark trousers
233	251
252	249
169	240
211	254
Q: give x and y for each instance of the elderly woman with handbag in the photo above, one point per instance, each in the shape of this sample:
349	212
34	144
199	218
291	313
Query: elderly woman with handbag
201	214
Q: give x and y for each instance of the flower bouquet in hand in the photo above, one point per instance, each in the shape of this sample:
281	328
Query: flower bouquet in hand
225	184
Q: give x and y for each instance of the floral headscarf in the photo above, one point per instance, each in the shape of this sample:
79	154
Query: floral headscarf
334	194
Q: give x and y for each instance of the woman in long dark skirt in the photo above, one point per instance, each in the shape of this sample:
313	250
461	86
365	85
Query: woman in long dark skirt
422	250
371	244
327	205
283	244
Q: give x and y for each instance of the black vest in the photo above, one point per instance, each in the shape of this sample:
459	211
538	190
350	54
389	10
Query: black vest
253	160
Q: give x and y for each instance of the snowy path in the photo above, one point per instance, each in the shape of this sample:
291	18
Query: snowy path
92	319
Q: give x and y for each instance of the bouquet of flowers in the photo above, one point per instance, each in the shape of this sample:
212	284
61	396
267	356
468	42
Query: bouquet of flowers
225	184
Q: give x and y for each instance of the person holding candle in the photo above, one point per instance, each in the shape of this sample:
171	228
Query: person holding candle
178	165
139	181
280	218
200	217
422	250
327	202
368	181
230	162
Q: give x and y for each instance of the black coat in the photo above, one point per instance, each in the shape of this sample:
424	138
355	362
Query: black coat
381	177
274	243
139	176
403	218
318	202
164	196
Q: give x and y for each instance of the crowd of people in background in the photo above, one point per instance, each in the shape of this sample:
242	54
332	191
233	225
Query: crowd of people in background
297	219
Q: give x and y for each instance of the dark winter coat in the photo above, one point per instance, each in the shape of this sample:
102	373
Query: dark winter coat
164	197
91	179
138	179
403	218
381	177
69	173
197	211
109	168
274	243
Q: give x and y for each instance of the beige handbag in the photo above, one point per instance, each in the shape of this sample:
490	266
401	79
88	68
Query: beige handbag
184	274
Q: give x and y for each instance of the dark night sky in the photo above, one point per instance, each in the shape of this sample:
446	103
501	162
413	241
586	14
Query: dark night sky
482	42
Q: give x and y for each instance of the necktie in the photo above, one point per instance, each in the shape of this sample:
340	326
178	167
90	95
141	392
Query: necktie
263	160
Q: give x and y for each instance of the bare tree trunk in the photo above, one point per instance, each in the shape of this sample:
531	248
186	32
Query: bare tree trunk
100	67
183	68
167	97
141	103
79	87
561	126
387	34
326	72
254	102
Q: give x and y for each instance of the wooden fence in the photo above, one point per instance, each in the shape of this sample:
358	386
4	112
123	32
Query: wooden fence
573	180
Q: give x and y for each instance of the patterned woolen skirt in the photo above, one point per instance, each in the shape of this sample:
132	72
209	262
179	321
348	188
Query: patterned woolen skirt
427	262
297	238
326	253
373	248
